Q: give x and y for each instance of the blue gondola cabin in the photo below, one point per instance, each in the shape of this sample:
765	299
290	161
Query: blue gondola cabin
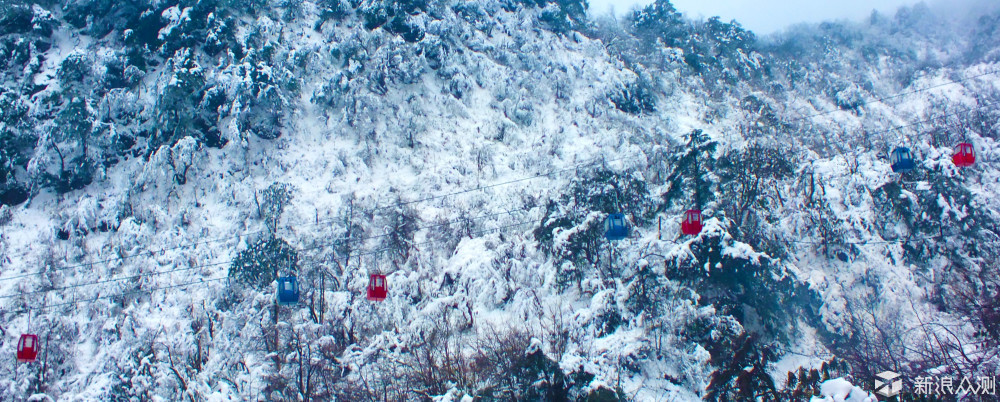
288	291
901	160
616	227
27	348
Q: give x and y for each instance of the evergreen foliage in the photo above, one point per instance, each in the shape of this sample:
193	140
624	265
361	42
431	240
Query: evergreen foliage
689	182
714	49
400	226
178	114
70	141
537	369
635	98
751	287
533	376
74	69
266	259
263	261
748	192
16	144
393	16
272	203
763	121
742	374
660	20
15	17
577	235
562	16
335	10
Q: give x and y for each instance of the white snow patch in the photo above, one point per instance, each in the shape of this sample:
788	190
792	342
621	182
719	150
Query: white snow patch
840	390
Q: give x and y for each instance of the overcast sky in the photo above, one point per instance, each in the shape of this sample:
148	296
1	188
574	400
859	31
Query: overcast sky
766	16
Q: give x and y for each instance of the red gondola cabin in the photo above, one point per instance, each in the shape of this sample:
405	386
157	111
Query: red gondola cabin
27	348
376	287
691	225
965	156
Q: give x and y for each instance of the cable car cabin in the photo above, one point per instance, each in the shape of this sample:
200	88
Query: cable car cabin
902	160
691	225
376	287
27	348
965	156
616	227
288	291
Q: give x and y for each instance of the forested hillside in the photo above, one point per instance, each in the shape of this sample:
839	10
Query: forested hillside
165	165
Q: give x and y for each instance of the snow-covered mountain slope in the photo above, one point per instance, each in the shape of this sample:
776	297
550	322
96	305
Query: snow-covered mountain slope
164	163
